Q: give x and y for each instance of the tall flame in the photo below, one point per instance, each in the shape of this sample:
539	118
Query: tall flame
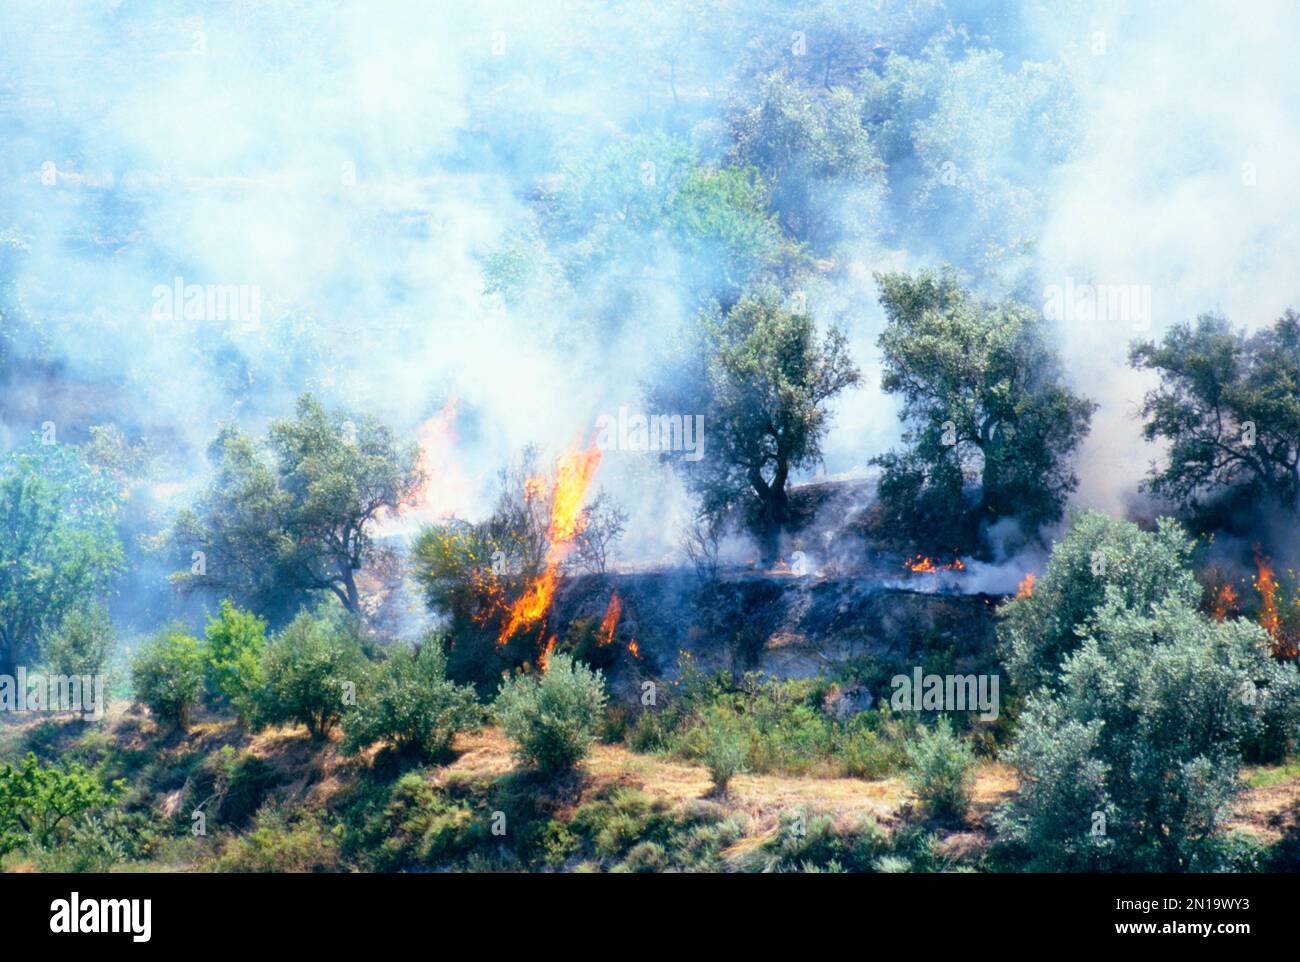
1026	587
610	622
447	490
1269	617
574	471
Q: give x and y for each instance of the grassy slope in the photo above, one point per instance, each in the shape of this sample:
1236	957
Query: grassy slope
312	776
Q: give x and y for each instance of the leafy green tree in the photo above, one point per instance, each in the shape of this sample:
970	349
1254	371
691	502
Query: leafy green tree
819	156
82	643
309	669
990	427
410	703
38	803
167	676
58	546
763	380
647	200
942	771
1228	407
235	643
1100	560
1131	762
294	516
553	718
970	144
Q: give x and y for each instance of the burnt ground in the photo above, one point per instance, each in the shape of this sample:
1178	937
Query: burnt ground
780	624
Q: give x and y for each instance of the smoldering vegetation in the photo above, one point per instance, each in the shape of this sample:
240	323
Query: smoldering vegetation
705	367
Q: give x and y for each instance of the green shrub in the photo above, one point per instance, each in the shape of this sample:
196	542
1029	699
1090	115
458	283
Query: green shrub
553	719
282	842
646	857
39	804
1131	762
942	772
308	668
236	641
167	675
409	703
82	643
723	745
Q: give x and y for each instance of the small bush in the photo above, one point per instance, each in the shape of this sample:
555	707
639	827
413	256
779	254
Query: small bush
167	675
82	644
410	703
236	640
282	842
723	746
307	667
943	771
39	805
553	719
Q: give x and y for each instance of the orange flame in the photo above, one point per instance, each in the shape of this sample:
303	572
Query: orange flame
447	490
544	657
634	648
923	565
1225	602
1026	587
574	471
610	622
1269	618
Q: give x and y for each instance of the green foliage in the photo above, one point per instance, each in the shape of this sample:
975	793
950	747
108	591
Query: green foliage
722	744
409	703
1141	735
1226	407
647	198
819	156
1101	560
943	771
82	643
778	723
282	841
763	380
990	427
58	545
968	143
307	667
167	676
293	516
39	804
235	643
809	841
553	719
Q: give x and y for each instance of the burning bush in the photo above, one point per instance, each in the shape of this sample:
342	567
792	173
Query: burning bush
496	579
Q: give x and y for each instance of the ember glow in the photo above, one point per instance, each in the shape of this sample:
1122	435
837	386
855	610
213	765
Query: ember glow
923	565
